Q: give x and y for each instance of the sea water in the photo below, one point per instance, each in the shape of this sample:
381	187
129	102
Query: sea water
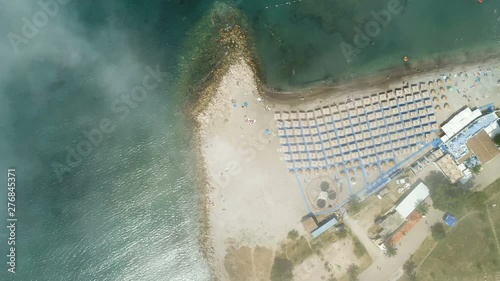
94	202
106	185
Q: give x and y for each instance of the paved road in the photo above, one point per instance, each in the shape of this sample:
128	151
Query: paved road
383	268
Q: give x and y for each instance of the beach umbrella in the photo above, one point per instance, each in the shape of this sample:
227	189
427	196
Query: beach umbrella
325	170
356	163
316	171
341	166
290	171
332	168
391	162
443	97
348	164
353	180
308	171
435	99
442	90
433	92
351	172
438	107
299	171
447	106
448	80
374	167
439	82
498	82
431	84
342	173
358	170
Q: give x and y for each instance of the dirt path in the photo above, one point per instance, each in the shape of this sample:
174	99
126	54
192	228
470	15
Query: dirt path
493	229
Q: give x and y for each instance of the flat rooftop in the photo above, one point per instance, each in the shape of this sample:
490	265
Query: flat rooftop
420	192
450	168
459	121
483	147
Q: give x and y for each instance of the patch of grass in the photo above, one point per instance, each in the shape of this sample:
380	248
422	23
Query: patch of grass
298	250
424	249
325	239
282	269
468	252
359	250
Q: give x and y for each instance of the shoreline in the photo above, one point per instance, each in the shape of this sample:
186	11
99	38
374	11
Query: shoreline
211	105
382	78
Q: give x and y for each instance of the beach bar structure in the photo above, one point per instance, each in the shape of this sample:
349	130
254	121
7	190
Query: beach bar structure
320	230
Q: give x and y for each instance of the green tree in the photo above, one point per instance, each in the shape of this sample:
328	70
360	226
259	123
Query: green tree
409	268
438	231
293	234
353	272
496	139
282	270
390	250
476	169
354	204
422	207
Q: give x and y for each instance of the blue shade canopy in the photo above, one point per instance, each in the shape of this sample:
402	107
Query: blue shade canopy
450	220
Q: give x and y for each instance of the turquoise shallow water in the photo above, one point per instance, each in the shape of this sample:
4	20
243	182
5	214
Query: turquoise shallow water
128	209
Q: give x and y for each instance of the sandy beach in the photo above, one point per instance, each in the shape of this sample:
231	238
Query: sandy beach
253	200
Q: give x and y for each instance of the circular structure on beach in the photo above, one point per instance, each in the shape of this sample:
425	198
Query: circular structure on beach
341	166
321	203
324	170
443	97
431	84
316	171
356	163
448	80
447	106
433	92
440	82
299	171
498	82
351	172
332	195
324	186
442	90
342	173
290	172
435	99
308	171
438	107
332	168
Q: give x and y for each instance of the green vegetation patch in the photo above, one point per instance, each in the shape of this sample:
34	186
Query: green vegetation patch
282	269
451	198
466	253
